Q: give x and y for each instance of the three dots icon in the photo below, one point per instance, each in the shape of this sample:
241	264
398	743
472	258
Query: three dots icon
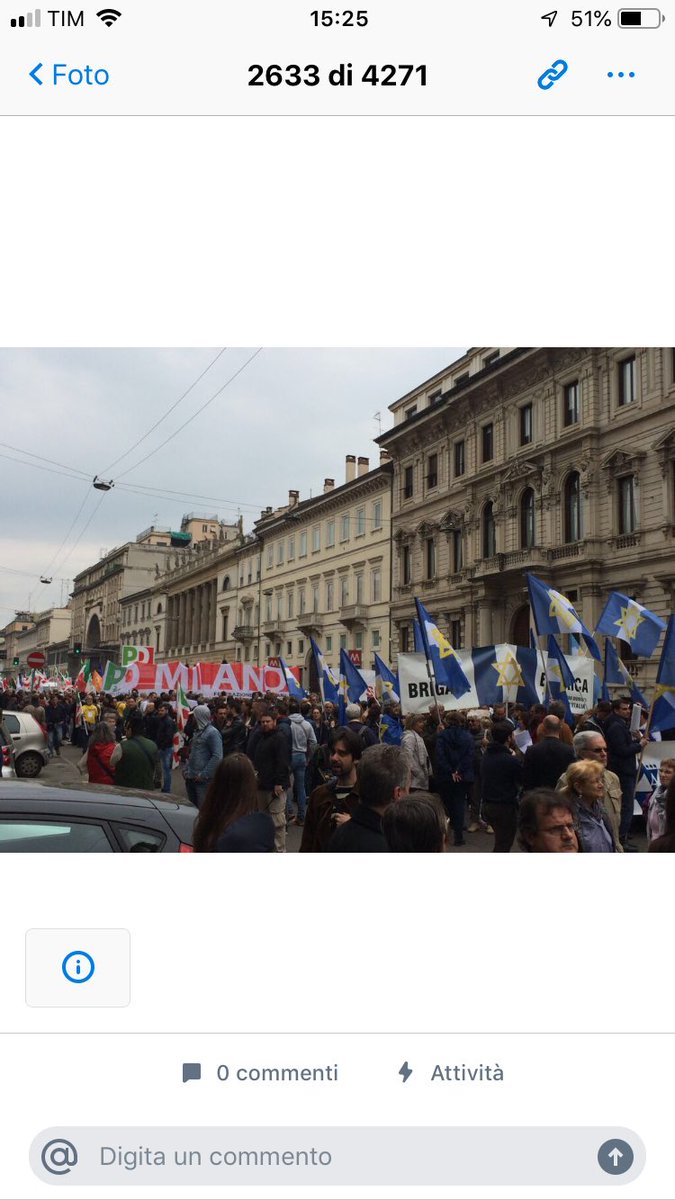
621	74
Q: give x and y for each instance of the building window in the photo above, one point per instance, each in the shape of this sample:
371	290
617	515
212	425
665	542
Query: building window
290	604
358	640
487	435
291	549
432	471
270	559
407	483
360	522
330	534
329	595
489	532
376	639
460	459
268	649
627	509
316	538
527	519
410	412
344	590
456	634
303	545
280	601
344	528
627	381
289	649
571	403
280	553
224	629
491	358
406	572
376	585
457	550
268	608
572	530
315	597
377	514
526	434
358	599
329	643
405	639
343	641
431	558
301	601
301	646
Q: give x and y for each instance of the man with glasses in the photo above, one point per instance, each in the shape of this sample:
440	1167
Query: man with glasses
592	746
546	823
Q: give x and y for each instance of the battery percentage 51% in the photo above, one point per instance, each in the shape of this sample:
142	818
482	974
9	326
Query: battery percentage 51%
593	18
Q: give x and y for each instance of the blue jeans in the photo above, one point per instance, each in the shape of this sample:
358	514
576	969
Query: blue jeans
196	791
54	738
298	767
165	757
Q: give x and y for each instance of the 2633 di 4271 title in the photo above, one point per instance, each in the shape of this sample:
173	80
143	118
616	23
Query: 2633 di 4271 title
341	75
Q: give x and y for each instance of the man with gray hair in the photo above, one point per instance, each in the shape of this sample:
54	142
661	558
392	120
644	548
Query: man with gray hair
592	746
354	717
384	777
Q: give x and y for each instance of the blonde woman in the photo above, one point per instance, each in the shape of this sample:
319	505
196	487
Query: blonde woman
585	789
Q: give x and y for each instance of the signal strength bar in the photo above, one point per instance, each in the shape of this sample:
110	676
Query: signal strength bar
30	21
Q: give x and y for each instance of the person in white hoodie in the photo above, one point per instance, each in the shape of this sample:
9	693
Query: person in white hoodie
414	746
303	744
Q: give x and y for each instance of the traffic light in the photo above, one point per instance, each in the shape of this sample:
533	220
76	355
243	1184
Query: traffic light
15	662
77	648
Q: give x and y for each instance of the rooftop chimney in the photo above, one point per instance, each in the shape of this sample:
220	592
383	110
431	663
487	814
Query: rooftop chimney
385	457
350	468
363	466
328	485
293	499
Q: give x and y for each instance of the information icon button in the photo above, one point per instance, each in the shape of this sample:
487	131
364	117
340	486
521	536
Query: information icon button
78	966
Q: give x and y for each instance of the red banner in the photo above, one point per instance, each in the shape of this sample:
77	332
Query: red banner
236	679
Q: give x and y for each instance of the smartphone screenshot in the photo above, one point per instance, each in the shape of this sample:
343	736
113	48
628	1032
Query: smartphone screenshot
338	477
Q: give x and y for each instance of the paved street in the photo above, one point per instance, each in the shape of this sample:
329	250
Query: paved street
63	770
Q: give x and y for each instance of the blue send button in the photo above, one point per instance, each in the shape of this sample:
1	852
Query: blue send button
78	966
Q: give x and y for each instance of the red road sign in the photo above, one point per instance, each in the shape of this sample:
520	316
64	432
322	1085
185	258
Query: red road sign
36	659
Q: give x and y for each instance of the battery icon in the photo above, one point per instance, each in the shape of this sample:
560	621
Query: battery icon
639	18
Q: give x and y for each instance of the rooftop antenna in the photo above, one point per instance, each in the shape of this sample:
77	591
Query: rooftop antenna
378	417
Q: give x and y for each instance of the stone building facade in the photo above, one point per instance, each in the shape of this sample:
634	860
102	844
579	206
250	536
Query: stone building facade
555	461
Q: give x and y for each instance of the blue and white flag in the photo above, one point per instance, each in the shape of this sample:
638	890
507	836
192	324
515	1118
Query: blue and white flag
328	683
505	674
292	684
446	666
663	711
626	619
387	684
554	613
351	687
616	673
419	640
560	677
391	730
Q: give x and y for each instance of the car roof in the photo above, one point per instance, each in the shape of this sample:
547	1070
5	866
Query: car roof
83	793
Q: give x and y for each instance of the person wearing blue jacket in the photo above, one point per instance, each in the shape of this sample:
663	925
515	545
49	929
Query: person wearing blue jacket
206	751
454	770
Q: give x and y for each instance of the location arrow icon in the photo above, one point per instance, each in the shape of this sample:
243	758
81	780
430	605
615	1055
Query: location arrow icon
34	73
550	17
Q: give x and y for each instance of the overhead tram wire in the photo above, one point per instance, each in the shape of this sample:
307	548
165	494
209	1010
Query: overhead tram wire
195	414
168	412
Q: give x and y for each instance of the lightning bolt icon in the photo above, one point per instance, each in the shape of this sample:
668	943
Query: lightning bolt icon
405	1072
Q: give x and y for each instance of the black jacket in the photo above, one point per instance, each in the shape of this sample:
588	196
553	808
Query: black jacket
501	775
271	758
234	737
545	763
621	747
362	835
165	729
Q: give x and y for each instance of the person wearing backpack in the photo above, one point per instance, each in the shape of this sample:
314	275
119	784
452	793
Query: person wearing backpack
136	759
303	744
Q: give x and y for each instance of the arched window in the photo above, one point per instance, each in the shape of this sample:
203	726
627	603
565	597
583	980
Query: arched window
527	530
226	583
572	513
159	609
489	534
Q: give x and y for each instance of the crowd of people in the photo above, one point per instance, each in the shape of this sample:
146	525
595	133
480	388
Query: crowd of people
253	767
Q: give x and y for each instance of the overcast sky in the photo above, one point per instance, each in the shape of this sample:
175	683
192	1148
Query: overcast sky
286	421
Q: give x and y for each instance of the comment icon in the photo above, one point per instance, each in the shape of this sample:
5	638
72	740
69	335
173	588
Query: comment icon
191	1071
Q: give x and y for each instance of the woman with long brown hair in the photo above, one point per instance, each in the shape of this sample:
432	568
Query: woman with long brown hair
228	818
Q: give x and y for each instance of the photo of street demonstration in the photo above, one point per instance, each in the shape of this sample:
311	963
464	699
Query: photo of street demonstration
338	601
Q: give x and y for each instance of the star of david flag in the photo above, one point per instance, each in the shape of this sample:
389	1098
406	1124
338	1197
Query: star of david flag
560	677
616	673
351	687
327	681
505	674
663	712
626	619
292	684
554	613
387	683
446	666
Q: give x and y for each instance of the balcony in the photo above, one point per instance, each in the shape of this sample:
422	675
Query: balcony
274	629
243	633
354	616
310	623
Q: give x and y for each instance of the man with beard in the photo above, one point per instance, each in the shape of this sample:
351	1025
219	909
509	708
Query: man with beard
332	803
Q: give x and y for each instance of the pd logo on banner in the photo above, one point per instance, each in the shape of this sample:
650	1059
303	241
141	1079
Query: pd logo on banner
137	654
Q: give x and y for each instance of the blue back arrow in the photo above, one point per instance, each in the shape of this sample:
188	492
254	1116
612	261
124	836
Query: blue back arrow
33	74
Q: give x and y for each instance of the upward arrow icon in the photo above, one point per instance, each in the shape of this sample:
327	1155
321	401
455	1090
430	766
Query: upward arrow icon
550	17
615	1155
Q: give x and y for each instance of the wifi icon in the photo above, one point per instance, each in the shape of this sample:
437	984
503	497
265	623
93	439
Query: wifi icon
109	16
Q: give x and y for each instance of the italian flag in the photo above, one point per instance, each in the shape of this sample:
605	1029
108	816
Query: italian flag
182	714
83	682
